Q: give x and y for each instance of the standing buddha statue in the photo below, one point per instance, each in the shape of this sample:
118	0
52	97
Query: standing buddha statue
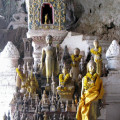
19	78
75	71
96	51
49	59
92	91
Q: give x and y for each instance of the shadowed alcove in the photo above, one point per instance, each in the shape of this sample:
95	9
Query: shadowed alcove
47	14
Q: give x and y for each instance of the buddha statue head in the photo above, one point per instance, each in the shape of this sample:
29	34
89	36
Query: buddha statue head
76	51
64	70
96	43
19	67
49	39
91	66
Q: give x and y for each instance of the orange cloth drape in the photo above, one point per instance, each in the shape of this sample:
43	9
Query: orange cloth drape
92	94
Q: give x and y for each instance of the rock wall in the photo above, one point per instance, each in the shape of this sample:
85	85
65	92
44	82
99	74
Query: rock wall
7	9
99	17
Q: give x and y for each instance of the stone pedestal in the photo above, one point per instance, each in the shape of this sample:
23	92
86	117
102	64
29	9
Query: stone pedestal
112	96
112	84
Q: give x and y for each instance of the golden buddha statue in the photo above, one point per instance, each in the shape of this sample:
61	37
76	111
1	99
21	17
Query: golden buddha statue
18	78
66	85
49	59
32	84
75	71
92	91
96	51
46	19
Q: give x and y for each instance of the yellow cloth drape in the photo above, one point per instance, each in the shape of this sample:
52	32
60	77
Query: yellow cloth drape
21	75
92	94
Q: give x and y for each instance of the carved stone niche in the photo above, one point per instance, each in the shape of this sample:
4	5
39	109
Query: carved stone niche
113	56
28	51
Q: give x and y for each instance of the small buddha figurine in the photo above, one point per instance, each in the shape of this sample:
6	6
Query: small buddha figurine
75	71
49	59
45	102
63	78
32	84
66	59
92	91
53	86
47	21
97	51
53	105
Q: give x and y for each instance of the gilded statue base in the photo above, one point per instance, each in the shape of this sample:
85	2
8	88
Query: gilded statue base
66	95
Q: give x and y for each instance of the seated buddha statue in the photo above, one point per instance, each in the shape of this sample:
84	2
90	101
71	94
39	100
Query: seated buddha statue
45	102
66	85
92	92
31	84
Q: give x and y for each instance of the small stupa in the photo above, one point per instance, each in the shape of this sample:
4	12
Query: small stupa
113	56
9	58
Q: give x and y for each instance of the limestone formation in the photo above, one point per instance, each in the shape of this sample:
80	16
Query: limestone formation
20	18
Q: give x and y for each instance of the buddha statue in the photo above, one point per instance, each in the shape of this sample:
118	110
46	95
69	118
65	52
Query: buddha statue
66	85
96	51
18	79
45	102
92	92
47	21
32	84
75	71
49	59
21	79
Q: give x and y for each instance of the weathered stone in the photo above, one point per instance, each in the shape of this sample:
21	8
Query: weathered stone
3	24
9	59
113	56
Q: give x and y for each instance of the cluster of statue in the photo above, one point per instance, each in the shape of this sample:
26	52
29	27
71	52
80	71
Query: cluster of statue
26	81
63	96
